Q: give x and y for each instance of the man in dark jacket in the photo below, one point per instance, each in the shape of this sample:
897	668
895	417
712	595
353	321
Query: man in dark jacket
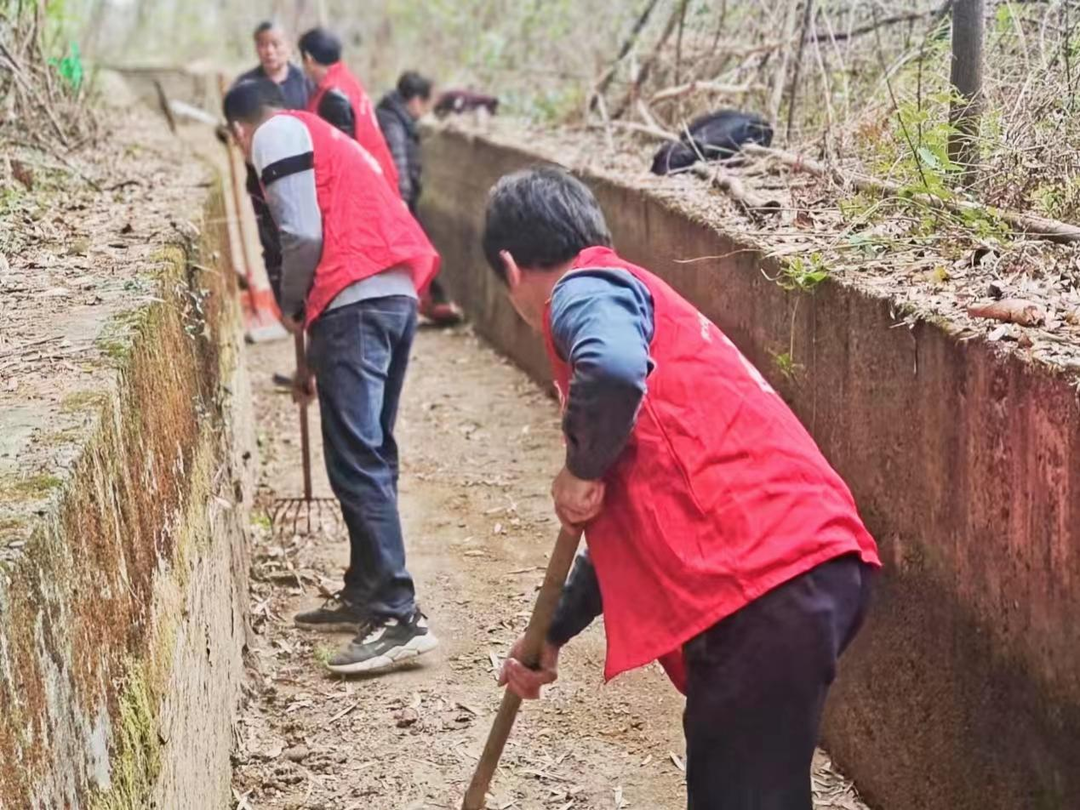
398	113
273	49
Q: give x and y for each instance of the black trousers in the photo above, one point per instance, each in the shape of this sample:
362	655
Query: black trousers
436	291
756	687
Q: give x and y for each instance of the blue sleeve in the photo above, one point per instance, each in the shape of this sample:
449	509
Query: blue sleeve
602	325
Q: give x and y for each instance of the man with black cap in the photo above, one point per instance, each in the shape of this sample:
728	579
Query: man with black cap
354	264
340	98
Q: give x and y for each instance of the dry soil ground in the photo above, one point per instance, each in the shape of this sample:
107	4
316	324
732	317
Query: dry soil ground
480	443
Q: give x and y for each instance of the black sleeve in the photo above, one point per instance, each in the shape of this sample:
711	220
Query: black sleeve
268	233
335	109
579	604
396	140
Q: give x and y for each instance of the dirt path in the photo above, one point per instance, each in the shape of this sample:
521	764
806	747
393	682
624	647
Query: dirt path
479	444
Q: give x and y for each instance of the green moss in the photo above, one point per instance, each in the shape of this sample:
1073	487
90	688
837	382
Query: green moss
260	519
136	755
58	438
171	338
29	488
10	524
116	338
323	653
82	401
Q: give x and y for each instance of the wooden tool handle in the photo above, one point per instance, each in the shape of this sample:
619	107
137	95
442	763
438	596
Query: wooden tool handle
235	184
305	441
558	569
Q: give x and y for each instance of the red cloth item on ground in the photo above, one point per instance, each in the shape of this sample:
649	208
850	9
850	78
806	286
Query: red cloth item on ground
368	133
367	228
720	495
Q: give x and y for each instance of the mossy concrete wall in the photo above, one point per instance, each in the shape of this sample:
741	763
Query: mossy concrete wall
123	577
963	692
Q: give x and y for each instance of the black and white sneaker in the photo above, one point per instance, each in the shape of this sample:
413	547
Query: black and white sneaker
337	615
384	643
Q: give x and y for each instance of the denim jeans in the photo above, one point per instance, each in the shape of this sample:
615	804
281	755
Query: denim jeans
359	353
756	687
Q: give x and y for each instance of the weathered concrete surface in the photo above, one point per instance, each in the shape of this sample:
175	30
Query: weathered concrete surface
123	580
963	693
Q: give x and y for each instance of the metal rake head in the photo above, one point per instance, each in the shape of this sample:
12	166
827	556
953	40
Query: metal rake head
290	517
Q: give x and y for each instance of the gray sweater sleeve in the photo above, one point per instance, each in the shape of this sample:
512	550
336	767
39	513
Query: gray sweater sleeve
283	155
602	325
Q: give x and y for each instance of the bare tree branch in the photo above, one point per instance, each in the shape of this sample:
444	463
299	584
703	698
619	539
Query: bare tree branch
604	82
701	87
646	66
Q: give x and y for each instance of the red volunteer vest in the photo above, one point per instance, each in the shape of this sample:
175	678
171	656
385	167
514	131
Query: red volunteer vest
368	133
719	496
367	228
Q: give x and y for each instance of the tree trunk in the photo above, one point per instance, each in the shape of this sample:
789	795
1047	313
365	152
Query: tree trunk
966	77
791	14
808	10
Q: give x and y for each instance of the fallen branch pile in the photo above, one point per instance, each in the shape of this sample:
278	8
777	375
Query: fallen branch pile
43	98
757	205
1029	224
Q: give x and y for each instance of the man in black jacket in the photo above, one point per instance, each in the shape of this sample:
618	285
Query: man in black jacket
398	113
273	49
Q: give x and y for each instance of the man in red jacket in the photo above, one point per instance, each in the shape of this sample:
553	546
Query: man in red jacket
341	99
720	541
353	263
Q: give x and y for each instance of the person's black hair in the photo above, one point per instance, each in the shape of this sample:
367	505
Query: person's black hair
321	45
544	217
413	85
250	99
264	26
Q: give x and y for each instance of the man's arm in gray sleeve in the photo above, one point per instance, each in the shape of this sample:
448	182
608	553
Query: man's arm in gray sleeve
283	155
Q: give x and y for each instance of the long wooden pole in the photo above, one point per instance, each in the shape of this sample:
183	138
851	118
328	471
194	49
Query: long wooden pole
558	569
238	211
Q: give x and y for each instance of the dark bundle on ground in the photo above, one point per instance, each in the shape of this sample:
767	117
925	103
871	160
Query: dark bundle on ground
462	101
716	136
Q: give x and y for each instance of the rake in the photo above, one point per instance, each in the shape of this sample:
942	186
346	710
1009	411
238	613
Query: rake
558	568
298	516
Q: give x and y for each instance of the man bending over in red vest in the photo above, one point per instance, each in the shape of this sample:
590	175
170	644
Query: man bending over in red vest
341	99
353	259
720	541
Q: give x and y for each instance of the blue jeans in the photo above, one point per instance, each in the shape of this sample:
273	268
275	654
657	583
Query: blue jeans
359	354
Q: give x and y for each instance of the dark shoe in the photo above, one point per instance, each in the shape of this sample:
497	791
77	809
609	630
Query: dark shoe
385	643
337	615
